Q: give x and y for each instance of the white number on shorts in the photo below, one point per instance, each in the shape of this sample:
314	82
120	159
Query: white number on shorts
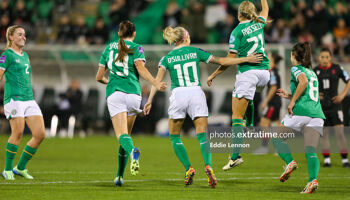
27	68
123	64
256	43
313	90
186	74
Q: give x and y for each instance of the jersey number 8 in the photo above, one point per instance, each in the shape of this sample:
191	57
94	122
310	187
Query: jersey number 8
313	91
123	64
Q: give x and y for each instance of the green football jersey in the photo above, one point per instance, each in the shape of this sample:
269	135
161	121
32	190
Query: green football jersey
308	103
183	65
123	76
17	74
248	38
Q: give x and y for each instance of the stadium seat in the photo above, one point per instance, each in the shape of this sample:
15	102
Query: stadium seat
47	105
226	106
90	108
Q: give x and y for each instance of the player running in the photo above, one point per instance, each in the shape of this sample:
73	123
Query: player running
125	61
328	75
305	114
20	106
187	97
246	38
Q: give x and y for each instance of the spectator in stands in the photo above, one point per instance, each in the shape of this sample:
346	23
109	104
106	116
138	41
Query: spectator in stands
64	35
5	9
226	27
172	15
100	33
193	20
21	15
118	12
319	16
70	103
341	34
4	24
80	31
277	12
298	25
281	33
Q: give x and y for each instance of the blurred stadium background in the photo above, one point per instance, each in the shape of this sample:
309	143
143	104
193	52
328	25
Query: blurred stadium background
65	39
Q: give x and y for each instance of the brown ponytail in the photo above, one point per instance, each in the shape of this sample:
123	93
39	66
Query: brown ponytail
10	31
302	54
126	29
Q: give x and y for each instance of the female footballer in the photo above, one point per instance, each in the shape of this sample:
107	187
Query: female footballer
19	104
125	61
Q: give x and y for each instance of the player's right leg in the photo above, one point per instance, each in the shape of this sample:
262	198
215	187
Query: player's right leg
179	148
17	128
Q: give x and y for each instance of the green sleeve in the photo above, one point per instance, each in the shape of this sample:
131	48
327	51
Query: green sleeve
234	43
104	57
162	63
262	18
4	61
139	53
203	55
296	71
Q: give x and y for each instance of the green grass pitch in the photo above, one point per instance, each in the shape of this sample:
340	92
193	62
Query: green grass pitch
85	169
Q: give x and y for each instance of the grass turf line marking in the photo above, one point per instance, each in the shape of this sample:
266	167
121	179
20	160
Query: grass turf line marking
149	180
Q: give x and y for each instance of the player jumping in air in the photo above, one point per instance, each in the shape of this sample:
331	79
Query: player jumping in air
20	106
187	96
125	61
246	38
328	75
305	114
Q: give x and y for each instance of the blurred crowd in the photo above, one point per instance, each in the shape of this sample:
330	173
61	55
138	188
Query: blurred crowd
322	22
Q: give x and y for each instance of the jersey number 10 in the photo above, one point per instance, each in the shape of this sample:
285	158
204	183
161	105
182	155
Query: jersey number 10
186	74
123	64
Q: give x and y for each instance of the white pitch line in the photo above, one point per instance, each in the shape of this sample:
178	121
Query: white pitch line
149	180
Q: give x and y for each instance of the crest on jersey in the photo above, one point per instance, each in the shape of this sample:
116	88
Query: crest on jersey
2	59
14	112
318	72
141	50
232	39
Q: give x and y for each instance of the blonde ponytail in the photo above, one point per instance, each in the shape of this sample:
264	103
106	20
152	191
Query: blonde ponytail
10	31
174	35
248	11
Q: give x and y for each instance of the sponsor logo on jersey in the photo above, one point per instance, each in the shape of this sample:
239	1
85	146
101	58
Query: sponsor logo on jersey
141	50
2	59
318	72
17	60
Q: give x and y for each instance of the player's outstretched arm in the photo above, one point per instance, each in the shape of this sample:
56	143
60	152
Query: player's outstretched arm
219	70
159	78
144	73
265	9
228	61
100	76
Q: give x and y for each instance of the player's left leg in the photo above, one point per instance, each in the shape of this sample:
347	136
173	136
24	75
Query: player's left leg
123	157
311	138
239	106
201	124
37	127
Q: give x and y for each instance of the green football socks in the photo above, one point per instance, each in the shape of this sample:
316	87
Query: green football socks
28	153
205	149
180	151
123	158
11	151
249	114
313	164
126	142
237	127
282	150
